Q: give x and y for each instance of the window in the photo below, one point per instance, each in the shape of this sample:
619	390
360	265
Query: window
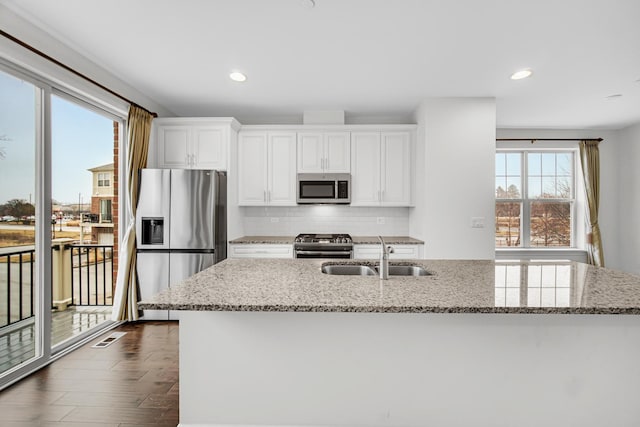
104	180
535	198
105	210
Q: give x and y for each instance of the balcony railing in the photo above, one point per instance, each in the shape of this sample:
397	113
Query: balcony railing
93	264
82	275
16	286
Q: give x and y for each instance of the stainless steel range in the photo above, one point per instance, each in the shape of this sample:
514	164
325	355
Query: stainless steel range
323	246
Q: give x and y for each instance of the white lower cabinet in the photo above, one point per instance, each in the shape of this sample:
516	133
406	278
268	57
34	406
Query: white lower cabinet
399	251
260	251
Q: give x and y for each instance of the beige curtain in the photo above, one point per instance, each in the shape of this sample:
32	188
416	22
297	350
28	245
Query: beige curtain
590	161
125	301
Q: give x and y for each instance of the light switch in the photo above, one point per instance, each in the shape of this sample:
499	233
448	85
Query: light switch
380	220
275	219
477	222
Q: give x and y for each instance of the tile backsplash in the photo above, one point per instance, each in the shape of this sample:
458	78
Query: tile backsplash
357	221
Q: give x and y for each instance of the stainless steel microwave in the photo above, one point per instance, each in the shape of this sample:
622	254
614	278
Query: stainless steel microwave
323	188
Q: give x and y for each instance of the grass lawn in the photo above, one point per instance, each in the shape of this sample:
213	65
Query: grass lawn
10	238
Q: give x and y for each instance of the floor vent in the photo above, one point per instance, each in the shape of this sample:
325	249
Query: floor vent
113	337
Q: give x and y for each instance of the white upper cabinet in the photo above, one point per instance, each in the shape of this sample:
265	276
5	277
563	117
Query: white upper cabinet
324	152
252	168
266	168
365	169
395	182
186	143
380	168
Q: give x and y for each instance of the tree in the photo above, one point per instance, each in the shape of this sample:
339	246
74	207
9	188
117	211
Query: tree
3	151
509	213
17	208
551	221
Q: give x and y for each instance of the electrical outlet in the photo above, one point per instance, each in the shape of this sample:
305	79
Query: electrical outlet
275	219
477	222
380	220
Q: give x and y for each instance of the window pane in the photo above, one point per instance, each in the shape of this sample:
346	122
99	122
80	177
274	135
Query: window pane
548	187
548	163
19	296
534	164
82	153
500	164
501	187
535	187
550	224
564	164
508	224
564	187
513	163
513	188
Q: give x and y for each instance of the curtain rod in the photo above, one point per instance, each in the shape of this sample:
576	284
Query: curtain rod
66	67
549	139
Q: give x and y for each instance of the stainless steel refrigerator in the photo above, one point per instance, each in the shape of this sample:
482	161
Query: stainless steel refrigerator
181	227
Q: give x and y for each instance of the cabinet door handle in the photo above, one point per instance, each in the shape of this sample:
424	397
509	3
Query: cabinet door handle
264	196
326	163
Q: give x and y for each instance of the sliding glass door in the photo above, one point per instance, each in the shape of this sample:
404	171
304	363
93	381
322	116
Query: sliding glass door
83	234
20	281
58	220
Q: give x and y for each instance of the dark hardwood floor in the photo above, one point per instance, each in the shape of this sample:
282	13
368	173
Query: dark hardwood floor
132	382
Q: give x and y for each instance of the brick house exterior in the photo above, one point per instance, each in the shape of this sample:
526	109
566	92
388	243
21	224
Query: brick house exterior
102	201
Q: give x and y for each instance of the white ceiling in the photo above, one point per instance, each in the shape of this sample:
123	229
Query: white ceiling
374	59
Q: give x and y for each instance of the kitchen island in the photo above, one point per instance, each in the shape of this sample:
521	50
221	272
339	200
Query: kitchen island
278	342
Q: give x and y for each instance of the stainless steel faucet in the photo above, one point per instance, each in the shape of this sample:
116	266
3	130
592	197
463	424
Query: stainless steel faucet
384	259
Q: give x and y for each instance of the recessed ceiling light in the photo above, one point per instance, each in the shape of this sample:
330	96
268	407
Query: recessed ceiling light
522	74
237	76
308	4
613	97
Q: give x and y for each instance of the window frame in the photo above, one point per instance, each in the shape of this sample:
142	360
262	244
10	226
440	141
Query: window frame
525	201
104	179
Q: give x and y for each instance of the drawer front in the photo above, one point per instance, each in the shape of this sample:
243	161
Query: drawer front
260	251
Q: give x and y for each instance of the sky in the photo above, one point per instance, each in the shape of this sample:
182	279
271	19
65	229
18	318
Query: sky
81	139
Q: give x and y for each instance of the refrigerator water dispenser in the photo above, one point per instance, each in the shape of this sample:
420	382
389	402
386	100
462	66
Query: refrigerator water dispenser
152	231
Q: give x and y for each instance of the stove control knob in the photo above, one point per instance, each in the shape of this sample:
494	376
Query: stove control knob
347	239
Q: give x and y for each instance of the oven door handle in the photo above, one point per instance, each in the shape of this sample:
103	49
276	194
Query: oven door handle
323	253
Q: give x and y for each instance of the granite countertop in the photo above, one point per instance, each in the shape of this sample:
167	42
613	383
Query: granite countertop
389	240
264	240
284	240
456	286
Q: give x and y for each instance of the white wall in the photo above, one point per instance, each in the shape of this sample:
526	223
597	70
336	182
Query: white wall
628	174
18	27
455	167
357	221
609	187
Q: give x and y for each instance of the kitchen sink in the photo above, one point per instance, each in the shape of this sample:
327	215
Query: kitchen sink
349	270
365	270
408	270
